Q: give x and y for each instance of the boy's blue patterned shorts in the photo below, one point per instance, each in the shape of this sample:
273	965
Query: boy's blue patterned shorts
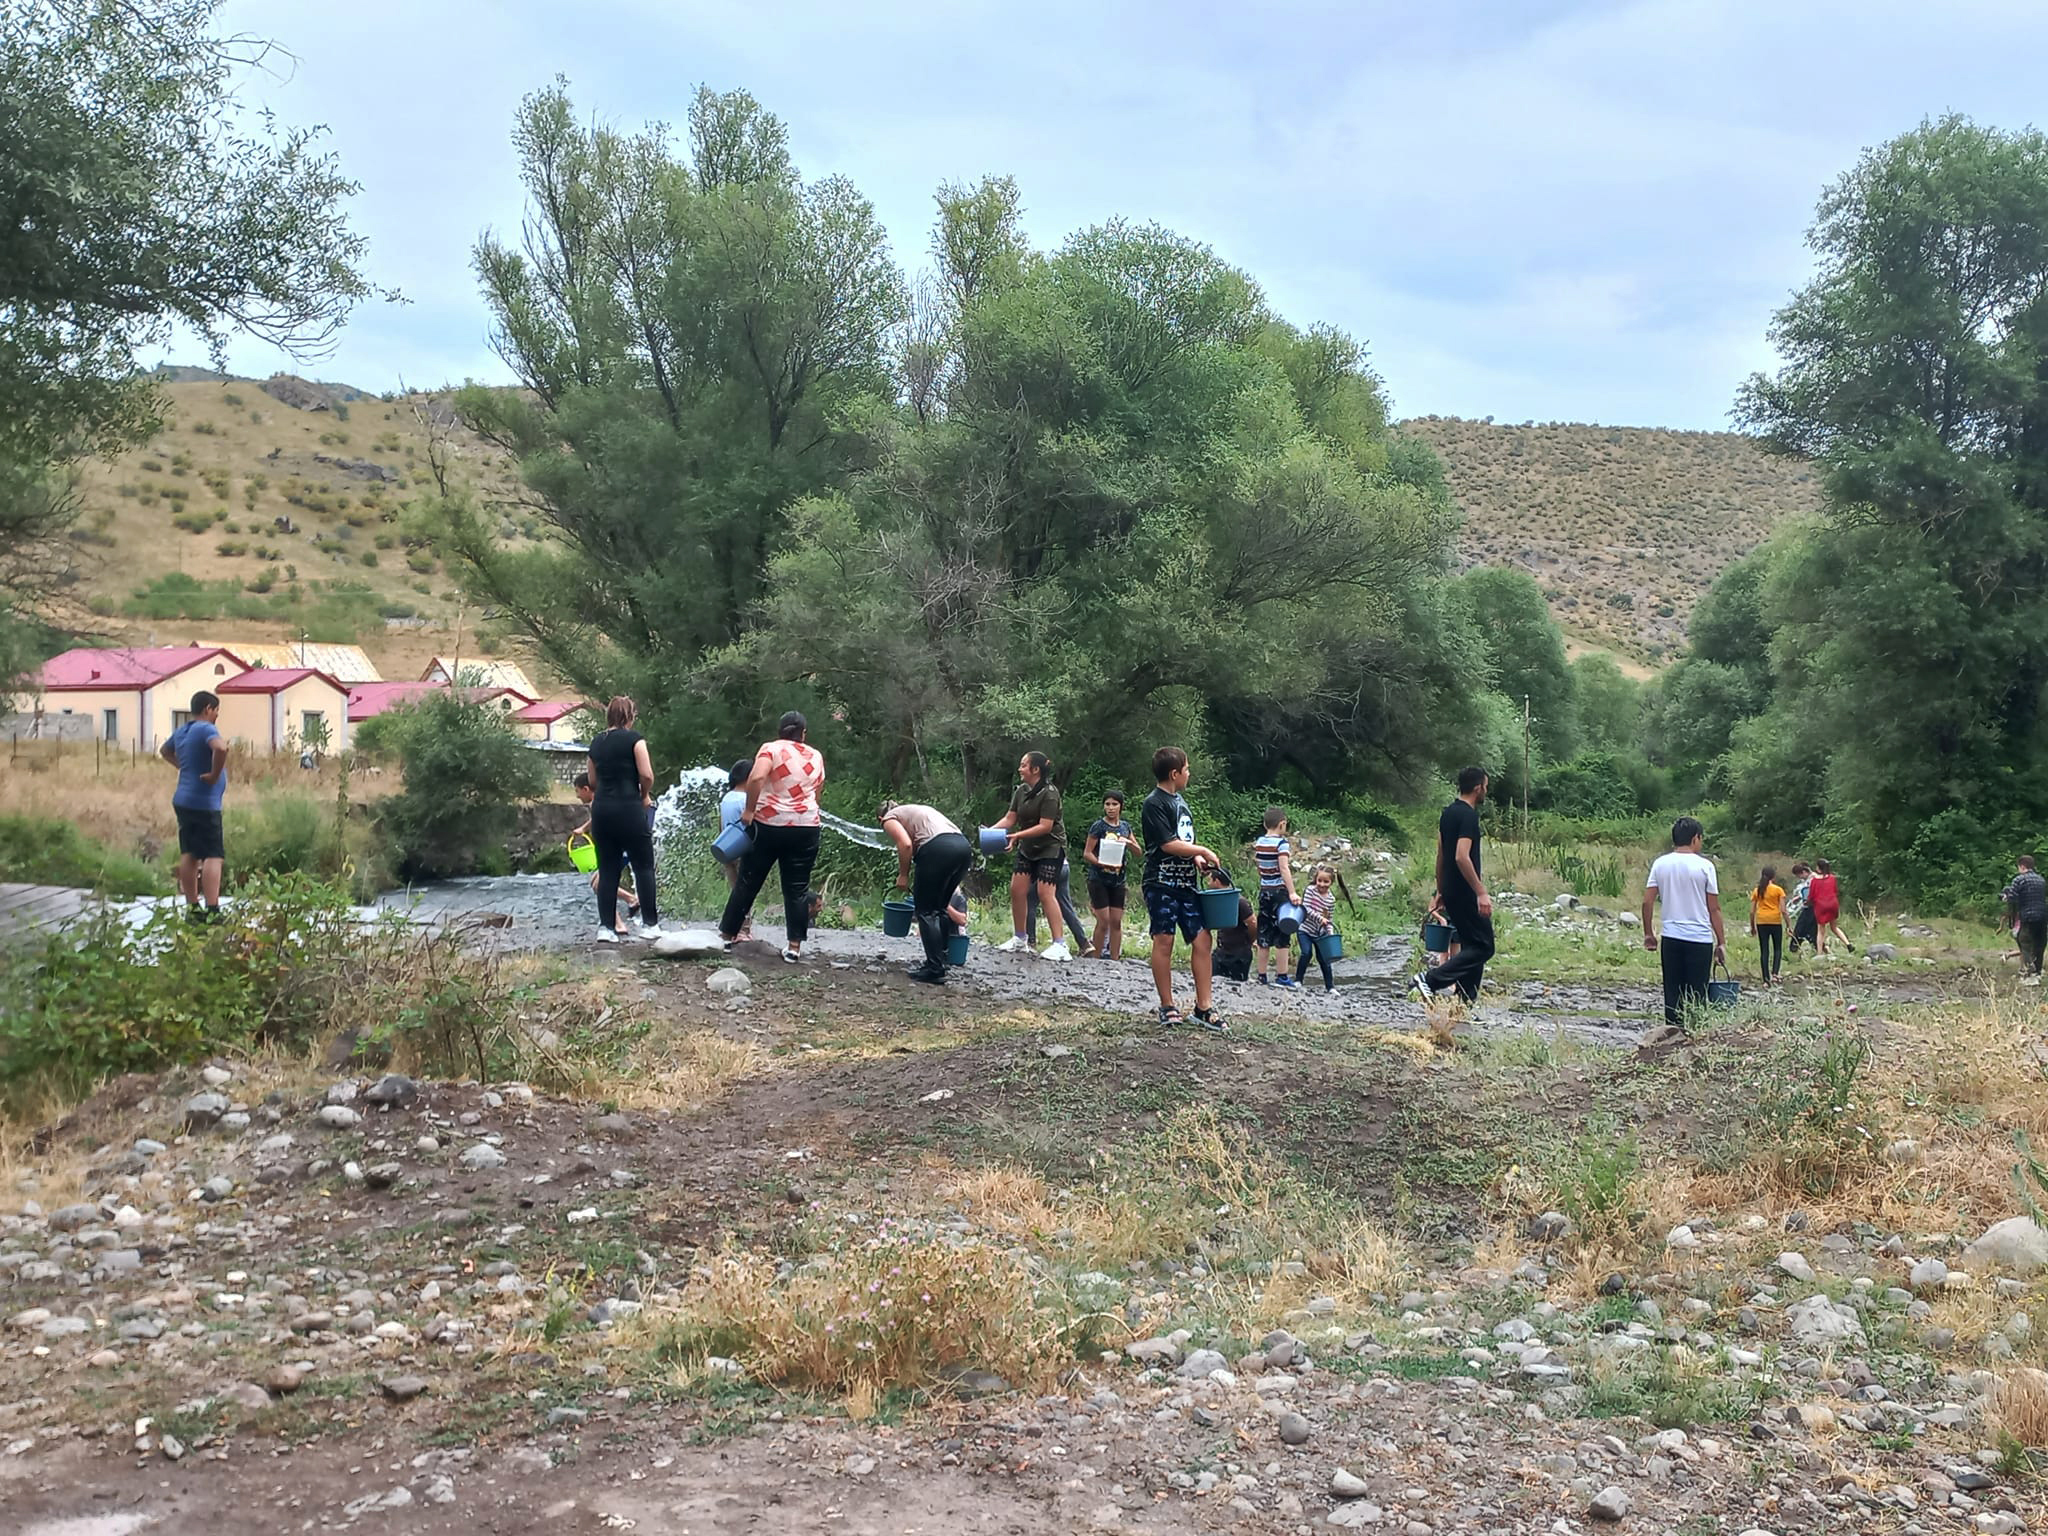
1174	906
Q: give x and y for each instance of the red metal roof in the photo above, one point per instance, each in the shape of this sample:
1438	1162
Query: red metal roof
128	668
276	680
368	700
547	711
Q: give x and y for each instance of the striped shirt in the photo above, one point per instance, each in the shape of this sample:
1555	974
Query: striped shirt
1267	853
1318	911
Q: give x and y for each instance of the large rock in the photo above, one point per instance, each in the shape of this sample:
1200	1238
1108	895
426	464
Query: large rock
1610	1503
1818	1322
1201	1364
204	1109
729	981
2016	1244
392	1088
687	941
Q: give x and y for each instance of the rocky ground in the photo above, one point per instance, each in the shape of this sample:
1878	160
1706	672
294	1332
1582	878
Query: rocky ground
272	1297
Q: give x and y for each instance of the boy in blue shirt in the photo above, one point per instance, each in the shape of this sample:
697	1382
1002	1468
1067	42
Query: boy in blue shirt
200	754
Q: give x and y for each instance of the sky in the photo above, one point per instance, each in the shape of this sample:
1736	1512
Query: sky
1571	210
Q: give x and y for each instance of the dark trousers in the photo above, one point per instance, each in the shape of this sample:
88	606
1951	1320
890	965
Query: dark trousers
1062	888
936	871
1309	947
793	850
2033	937
620	830
1770	942
1467	968
1805	930
1688	966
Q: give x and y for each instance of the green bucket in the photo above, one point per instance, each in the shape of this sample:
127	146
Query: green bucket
1220	908
583	853
896	918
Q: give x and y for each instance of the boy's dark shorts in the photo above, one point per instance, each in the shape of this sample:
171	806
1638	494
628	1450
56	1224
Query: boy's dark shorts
1174	906
1234	967
1105	895
1271	930
199	834
1041	871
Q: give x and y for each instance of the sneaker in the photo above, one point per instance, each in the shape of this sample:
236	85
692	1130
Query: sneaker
607	936
927	972
1012	944
647	930
2030	981
791	956
1285	981
1419	983
1266	981
1056	950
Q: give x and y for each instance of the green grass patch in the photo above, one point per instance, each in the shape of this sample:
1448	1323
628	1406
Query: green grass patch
37	852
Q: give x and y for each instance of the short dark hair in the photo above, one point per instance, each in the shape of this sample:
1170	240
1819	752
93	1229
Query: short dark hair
1470	779
1685	829
202	701
1217	876
1166	762
740	772
2026	861
581	781
1114	794
792	726
1822	866
1274	816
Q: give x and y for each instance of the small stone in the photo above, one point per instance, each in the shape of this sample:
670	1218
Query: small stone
311	1322
382	1175
393	1088
1347	1485
1294	1429
147	1147
1201	1364
219	1187
729	981
1549	1227
1818	1322
338	1117
1928	1274
724	1369
285	1380
216	1077
69	1218
481	1156
1795	1265
403	1389
1610	1503
246	1395
172	1447
557	1417
1154	1351
204	1109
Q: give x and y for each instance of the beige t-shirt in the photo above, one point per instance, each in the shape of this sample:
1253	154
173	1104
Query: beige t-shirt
922	823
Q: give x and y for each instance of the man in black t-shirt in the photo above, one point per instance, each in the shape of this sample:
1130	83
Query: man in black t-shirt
1463	893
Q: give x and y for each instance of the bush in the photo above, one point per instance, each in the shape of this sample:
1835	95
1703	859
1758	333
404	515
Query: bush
284	835
465	774
38	852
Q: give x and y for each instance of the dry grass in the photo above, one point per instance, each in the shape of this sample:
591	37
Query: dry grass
681	1073
2019	1407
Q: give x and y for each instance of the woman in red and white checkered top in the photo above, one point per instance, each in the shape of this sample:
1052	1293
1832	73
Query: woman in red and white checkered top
782	808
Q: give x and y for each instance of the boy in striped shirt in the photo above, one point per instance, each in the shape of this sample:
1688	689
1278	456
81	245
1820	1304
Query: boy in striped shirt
1273	856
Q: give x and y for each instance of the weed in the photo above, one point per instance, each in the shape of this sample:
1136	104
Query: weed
1596	1181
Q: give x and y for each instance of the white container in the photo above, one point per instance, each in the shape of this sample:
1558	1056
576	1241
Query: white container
1110	850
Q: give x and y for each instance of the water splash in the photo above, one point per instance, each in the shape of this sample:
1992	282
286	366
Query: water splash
691	807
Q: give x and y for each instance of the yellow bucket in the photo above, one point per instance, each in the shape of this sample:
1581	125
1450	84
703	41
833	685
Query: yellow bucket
583	852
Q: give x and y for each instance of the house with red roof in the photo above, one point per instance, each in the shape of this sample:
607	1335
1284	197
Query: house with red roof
366	701
570	720
285	709
135	695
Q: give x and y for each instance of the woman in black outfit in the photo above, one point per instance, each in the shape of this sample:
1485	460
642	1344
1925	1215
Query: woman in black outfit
622	785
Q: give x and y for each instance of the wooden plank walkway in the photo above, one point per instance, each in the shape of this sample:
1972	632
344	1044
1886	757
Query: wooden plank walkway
29	909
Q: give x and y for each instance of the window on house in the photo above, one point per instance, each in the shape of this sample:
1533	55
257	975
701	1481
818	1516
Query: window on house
180	718
110	724
312	724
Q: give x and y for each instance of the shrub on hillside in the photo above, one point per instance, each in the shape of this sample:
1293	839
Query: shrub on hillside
466	773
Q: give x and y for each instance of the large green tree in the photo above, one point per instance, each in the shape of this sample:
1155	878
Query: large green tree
136	195
1143	508
694	328
1525	653
1910	635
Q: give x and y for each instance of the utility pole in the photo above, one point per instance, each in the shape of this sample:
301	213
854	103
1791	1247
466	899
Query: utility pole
1525	768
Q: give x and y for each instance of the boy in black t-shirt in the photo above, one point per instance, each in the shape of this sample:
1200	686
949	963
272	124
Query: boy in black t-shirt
1173	861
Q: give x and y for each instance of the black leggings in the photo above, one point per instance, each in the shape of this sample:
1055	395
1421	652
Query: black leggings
1770	942
936	871
620	830
794	850
1310	947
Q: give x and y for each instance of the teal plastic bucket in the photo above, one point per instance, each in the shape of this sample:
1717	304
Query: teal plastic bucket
1438	937
956	949
1331	945
896	916
1219	908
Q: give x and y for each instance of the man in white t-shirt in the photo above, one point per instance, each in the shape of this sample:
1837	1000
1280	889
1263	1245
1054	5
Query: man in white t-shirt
1684	880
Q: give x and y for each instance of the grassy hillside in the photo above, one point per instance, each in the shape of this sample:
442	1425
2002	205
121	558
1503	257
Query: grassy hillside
1624	527
258	517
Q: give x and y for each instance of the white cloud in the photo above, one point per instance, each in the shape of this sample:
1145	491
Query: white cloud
1527	208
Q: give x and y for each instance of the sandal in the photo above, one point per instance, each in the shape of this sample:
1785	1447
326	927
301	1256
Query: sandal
1209	1020
1170	1016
